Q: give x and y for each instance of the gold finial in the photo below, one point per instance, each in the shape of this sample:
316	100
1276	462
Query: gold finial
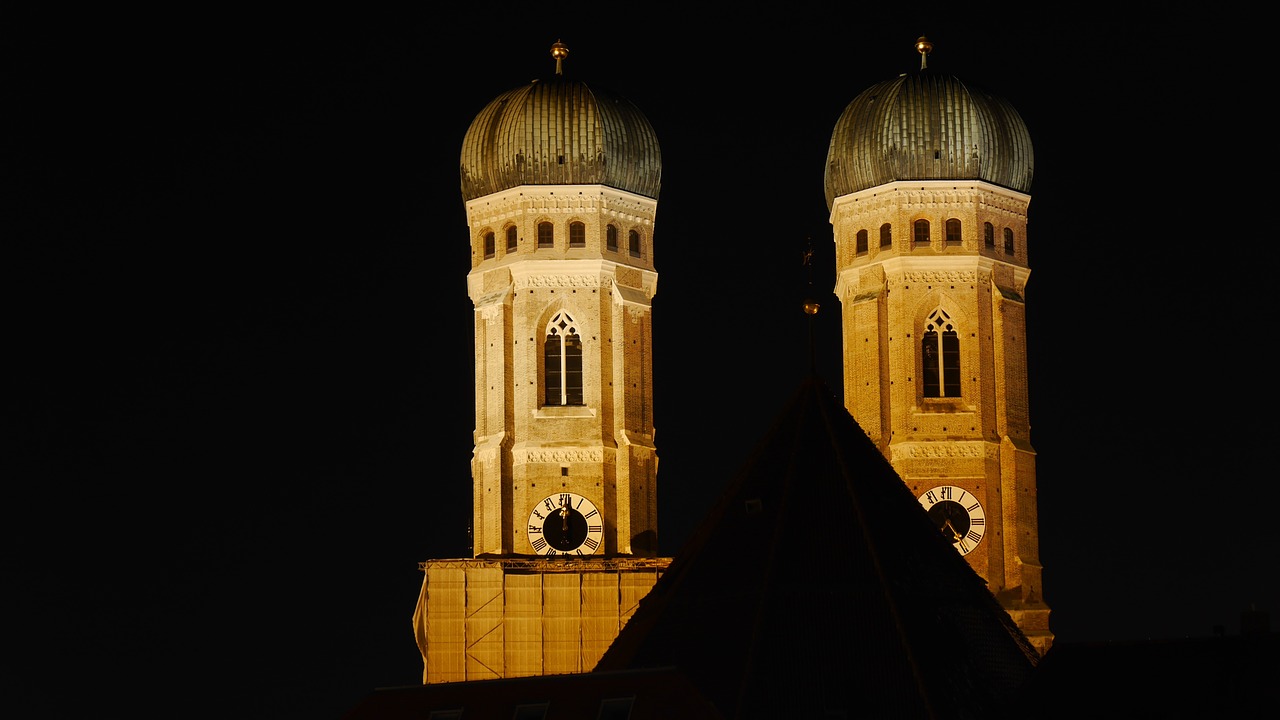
558	51
924	47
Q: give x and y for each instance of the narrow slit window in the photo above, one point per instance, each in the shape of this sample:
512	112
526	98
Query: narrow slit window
1008	241
989	235
488	245
611	238
633	243
886	235
577	235
546	235
512	241
861	248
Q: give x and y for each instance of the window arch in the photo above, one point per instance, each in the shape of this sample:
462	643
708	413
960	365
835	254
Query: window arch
546	235
953	231
512	240
577	235
989	235
886	235
1008	241
611	238
921	237
633	243
861	247
562	362
488	245
940	354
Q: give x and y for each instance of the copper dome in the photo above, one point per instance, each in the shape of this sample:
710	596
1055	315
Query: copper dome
922	126
560	132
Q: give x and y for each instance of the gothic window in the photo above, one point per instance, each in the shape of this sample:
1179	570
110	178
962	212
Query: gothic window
511	239
546	235
921	238
861	248
886	236
633	243
562	362
488	245
940	351
989	235
577	235
953	232
1008	241
611	238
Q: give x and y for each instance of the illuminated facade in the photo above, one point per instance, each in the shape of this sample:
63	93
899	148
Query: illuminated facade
561	184
928	184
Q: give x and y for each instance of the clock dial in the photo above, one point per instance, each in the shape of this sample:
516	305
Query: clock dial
565	524
957	514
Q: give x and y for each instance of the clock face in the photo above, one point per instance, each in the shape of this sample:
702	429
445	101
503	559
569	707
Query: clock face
957	514
565	524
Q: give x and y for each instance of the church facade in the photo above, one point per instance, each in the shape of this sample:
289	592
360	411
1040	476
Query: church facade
928	181
561	185
931	271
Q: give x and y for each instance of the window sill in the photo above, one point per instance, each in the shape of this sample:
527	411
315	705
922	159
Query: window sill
564	411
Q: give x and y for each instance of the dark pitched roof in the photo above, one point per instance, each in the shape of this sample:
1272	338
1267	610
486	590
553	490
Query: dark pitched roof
652	694
817	584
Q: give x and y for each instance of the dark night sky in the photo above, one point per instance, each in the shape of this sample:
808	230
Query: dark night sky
242	405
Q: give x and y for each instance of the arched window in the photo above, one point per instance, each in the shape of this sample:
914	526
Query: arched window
511	239
940	353
633	243
921	238
861	248
488	245
886	236
562	362
953	231
1008	241
989	235
546	235
577	235
611	238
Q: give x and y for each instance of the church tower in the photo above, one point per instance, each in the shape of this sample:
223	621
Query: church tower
927	182
560	181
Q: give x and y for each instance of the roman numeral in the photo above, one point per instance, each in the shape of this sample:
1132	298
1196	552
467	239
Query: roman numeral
550	505
931	497
946	492
535	529
539	544
975	537
978	521
591	543
566	500
963	546
973	507
591	514
594	528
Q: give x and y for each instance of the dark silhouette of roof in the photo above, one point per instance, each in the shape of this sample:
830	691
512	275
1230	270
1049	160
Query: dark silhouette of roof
817	584
816	587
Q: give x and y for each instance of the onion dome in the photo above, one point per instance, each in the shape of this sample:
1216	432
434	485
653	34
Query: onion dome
560	132
921	126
